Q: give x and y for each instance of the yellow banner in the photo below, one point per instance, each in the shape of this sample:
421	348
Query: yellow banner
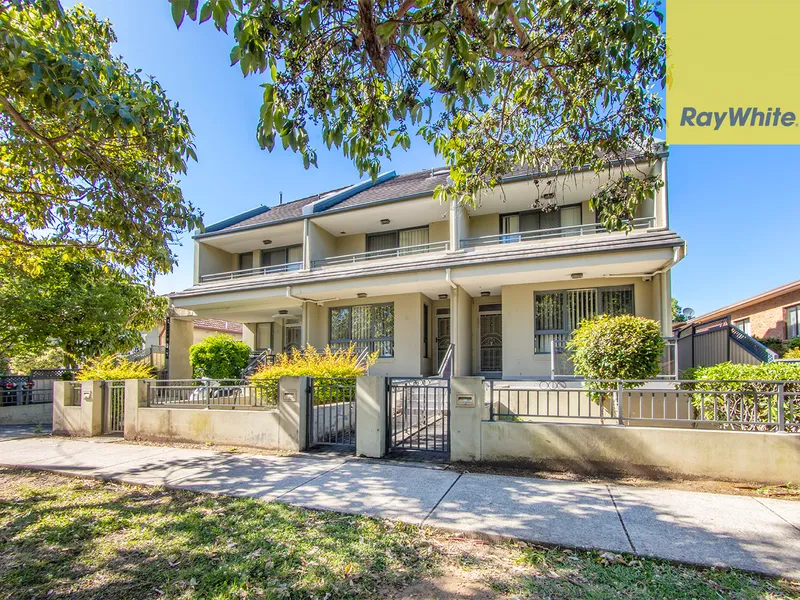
733	71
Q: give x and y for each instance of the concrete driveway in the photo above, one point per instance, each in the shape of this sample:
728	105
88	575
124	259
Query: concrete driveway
749	533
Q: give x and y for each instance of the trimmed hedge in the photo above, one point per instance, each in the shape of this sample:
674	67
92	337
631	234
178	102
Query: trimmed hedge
219	356
620	347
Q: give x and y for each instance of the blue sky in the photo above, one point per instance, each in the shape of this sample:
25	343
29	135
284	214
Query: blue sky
738	207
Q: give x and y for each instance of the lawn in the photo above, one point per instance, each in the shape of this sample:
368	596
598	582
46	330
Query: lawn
67	537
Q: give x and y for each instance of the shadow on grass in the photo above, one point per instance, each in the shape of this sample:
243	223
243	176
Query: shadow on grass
86	539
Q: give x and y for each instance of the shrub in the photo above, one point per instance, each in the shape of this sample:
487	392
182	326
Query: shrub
777	345
793	353
113	367
329	364
794	343
620	347
219	356
734	395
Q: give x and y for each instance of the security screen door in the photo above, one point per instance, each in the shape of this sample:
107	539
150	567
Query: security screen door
490	335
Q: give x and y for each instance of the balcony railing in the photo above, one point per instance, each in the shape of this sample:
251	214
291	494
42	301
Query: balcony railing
347	259
284	268
544	234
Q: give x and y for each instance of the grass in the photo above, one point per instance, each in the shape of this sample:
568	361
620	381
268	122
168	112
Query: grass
66	537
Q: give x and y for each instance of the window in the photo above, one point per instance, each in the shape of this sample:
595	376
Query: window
245	261
793	322
743	324
403	238
367	326
291	335
282	256
425	329
565	216
557	314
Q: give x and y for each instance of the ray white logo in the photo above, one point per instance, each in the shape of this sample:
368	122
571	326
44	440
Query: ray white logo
738	117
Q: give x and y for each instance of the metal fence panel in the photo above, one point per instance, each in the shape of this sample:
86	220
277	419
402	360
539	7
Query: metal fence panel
418	414
332	412
206	393
751	405
113	406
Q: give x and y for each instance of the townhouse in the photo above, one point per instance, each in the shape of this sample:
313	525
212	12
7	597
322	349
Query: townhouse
386	266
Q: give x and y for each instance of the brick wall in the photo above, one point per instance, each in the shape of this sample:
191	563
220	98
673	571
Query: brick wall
768	318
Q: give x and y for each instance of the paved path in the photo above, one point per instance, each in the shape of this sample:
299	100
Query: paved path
709	529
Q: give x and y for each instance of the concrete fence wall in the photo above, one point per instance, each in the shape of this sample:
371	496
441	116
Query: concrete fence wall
82	420
281	429
27	414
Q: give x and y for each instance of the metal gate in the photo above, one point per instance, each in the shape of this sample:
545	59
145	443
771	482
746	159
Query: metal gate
332	412
418	415
113	407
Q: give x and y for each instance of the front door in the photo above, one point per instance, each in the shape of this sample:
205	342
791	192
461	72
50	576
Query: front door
291	338
490	336
442	338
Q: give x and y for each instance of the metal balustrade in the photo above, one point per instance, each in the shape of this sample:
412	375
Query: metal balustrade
741	405
269	270
555	232
345	259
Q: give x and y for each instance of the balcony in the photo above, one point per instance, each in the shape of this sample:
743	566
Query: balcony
270	270
546	234
349	259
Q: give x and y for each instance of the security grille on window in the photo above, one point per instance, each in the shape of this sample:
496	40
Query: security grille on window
557	314
367	326
793	322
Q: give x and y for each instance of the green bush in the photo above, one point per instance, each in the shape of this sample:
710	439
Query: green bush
793	353
622	347
113	368
219	356
793	343
745	393
777	345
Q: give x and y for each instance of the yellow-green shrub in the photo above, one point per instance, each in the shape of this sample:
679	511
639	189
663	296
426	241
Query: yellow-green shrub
113	367
327	364
793	353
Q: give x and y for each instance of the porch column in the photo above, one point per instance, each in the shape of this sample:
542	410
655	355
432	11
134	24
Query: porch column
461	331
249	333
181	337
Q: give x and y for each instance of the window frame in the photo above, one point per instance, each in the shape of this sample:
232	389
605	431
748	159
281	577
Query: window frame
396	233
564	331
520	213
242	255
285	249
795	309
738	324
373	341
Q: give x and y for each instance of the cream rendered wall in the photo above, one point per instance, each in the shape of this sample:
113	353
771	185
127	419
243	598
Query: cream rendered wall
351	244
439	231
407	332
481	225
249	334
212	260
321	243
426	363
519	359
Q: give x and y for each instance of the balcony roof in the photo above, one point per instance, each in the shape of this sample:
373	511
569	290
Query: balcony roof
391	189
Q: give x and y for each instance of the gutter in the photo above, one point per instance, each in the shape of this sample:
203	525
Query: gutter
673	261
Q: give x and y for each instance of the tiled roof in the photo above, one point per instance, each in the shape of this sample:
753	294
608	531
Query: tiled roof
218	325
420	183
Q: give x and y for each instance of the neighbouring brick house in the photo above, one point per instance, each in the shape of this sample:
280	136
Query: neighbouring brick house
771	314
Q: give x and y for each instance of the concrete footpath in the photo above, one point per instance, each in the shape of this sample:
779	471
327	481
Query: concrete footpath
756	534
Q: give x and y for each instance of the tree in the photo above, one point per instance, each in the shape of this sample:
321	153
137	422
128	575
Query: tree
677	312
89	149
551	85
81	305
